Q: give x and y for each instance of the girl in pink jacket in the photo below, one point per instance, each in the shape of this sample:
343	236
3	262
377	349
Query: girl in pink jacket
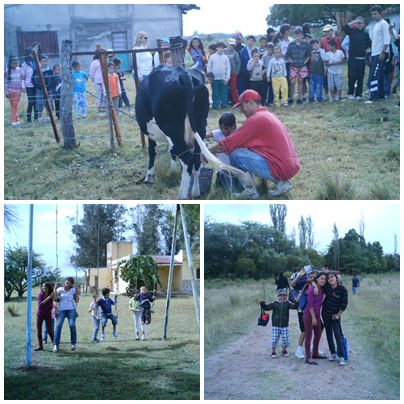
13	84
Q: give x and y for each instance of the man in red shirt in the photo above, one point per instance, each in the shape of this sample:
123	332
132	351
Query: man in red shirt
261	146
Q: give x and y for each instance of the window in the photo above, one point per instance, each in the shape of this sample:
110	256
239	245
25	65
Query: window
47	39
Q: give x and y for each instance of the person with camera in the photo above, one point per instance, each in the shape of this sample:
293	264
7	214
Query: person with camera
359	42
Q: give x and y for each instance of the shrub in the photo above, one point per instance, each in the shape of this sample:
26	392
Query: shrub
336	187
13	311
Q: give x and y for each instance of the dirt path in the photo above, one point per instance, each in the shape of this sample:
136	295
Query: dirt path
245	370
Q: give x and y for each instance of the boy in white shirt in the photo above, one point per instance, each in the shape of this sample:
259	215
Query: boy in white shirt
334	60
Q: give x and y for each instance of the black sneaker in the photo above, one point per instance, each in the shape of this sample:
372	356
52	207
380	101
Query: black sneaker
290	101
299	101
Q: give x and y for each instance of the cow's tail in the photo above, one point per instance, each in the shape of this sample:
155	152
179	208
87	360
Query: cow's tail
217	164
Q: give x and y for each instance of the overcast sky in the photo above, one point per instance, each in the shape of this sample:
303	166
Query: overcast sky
44	232
248	17
382	219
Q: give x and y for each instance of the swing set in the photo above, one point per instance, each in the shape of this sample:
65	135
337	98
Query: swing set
179	212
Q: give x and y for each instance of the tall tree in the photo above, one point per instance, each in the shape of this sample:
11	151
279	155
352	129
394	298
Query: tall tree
278	214
302	226
336	245
310	232
362	226
146	225
100	225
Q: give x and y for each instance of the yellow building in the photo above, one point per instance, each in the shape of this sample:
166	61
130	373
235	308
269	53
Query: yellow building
108	277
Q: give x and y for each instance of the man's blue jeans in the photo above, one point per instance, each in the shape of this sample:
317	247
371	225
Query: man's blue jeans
71	315
252	162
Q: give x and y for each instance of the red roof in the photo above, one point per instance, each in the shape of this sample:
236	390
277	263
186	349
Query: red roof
159	260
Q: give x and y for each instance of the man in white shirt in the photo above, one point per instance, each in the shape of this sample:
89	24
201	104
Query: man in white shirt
380	38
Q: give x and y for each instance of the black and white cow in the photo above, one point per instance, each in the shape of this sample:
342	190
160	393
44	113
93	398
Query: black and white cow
172	105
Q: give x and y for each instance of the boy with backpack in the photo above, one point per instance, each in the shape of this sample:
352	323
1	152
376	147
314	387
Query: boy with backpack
280	320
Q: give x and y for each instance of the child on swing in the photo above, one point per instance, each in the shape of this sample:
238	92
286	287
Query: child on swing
106	304
136	308
145	299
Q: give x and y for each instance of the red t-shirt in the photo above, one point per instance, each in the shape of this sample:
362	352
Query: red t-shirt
264	134
325	39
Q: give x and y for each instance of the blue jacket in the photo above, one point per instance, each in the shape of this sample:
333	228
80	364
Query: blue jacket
106	305
47	76
145	300
244	58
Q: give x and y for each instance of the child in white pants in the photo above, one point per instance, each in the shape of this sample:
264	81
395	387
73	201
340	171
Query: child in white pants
135	307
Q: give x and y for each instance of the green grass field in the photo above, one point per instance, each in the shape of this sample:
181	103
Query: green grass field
119	368
348	150
373	316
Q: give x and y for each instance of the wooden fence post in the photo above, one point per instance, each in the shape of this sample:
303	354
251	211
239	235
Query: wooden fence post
66	102
112	116
136	77
177	54
45	91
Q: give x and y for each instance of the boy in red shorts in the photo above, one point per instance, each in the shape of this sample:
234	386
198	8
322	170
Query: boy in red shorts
298	54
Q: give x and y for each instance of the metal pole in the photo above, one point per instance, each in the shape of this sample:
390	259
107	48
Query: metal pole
189	255
57	255
77	244
170	275
29	288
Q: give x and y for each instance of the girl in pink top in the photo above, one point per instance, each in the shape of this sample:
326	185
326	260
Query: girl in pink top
95	75
44	313
312	320
13	84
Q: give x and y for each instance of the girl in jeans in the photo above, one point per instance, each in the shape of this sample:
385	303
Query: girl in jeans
67	297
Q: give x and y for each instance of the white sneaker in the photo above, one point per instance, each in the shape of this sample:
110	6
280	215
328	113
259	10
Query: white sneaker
115	334
55	348
102	337
369	102
358	98
334	357
143	338
299	353
342	362
74	347
248	193
281	188
350	97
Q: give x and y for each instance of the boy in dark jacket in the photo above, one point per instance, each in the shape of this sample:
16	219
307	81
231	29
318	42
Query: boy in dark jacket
36	80
280	320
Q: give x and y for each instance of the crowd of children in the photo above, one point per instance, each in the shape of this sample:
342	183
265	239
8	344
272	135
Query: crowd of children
279	65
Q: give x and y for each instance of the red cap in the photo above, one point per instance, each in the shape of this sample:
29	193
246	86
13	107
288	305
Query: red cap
247	95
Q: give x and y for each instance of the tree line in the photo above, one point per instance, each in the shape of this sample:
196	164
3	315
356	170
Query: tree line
149	226
256	250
